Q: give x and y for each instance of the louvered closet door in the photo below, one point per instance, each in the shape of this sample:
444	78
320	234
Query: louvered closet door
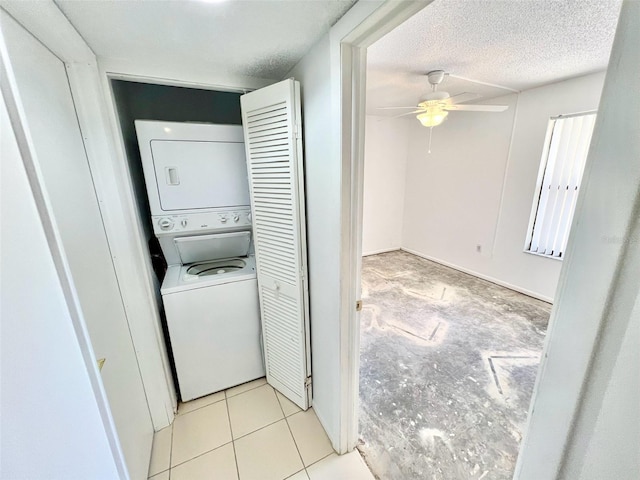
273	141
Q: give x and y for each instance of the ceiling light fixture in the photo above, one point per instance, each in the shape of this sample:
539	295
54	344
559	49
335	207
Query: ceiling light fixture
432	117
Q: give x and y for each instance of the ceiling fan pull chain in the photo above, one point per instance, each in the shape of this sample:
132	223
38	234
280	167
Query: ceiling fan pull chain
430	133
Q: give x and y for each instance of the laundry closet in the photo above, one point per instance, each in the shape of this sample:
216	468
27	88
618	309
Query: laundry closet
218	182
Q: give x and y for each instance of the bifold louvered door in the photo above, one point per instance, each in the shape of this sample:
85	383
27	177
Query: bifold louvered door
273	141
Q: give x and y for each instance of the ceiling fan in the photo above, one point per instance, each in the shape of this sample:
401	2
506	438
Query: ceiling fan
436	105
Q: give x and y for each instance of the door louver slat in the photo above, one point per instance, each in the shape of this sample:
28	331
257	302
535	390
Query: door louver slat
267	140
276	235
274	144
259	113
267	134
270	118
280	118
277	335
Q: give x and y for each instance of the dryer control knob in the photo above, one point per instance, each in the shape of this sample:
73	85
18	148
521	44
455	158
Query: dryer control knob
248	217
165	223
236	218
223	219
184	223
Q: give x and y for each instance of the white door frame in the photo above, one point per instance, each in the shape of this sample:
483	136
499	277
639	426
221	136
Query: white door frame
353	85
17	117
163	398
45	21
89	80
353	65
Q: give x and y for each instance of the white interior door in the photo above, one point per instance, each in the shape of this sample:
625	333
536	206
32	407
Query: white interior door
51	120
271	118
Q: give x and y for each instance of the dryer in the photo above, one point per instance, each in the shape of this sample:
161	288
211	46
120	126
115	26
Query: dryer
196	179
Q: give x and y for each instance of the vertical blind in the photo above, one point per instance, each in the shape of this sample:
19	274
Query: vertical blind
563	158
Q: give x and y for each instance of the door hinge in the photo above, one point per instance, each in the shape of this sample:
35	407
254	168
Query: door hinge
358	305
297	131
307	382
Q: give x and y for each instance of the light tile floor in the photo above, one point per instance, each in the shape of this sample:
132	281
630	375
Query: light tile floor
249	432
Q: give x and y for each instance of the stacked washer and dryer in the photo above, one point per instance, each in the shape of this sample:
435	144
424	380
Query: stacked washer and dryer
196	178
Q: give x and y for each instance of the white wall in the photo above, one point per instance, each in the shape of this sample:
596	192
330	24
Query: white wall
453	193
585	414
319	75
385	150
50	425
322	185
535	106
615	424
50	116
478	185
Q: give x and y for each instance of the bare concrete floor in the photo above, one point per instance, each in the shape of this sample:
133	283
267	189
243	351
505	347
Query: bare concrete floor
448	363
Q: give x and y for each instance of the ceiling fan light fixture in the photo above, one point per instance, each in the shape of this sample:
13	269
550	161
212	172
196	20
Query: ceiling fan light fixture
432	118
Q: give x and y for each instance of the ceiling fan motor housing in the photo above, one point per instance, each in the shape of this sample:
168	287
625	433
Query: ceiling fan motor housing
436	77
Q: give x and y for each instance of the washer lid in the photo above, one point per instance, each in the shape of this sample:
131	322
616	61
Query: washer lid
213	247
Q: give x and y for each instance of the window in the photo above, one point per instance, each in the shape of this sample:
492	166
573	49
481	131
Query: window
563	159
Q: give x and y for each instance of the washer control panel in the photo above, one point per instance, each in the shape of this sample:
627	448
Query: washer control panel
195	222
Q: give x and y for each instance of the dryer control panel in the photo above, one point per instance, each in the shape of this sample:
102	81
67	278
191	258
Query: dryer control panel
201	222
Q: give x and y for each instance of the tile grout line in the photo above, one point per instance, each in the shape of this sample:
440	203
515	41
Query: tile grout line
261	428
171	447
283	412
201	454
296	473
218	401
244	391
320	459
199	408
264	426
293	437
296	444
280	403
233	442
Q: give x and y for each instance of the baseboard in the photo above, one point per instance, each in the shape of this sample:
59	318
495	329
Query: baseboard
383	250
320	415
529	293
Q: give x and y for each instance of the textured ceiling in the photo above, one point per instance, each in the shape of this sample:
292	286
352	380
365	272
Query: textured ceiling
517	44
261	38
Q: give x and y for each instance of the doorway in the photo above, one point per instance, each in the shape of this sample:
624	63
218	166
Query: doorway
136	100
483	248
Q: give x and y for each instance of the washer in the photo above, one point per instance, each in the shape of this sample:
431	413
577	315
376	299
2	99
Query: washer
196	179
214	324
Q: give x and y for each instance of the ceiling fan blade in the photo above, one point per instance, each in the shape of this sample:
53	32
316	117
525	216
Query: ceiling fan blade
476	108
462	97
393	108
410	113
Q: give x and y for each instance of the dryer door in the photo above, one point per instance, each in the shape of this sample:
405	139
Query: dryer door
193	175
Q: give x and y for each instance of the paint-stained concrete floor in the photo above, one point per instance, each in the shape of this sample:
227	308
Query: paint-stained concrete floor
448	363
